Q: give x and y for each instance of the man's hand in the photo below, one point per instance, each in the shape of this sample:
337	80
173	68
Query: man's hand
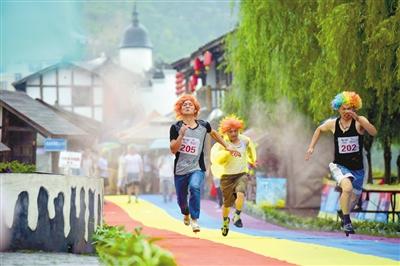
182	130
233	151
309	153
353	114
253	165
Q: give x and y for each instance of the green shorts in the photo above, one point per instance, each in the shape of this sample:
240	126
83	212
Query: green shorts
230	185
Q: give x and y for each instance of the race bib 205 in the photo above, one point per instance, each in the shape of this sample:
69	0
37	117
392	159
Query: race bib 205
190	146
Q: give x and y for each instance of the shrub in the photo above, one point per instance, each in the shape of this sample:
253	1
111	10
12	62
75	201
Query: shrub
117	247
16	167
391	229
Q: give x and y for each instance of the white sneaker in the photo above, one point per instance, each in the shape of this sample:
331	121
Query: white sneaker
195	226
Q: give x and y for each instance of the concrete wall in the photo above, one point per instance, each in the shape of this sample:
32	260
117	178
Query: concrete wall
49	212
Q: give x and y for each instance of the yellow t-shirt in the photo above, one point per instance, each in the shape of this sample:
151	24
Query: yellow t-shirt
223	163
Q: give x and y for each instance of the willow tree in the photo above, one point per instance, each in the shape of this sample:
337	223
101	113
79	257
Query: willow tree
308	51
383	73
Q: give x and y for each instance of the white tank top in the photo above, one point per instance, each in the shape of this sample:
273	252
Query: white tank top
236	165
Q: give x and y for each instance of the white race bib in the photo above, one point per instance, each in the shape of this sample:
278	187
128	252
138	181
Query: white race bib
190	146
348	145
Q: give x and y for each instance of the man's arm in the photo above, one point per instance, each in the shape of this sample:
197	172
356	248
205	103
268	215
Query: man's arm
218	154
370	128
217	137
251	153
328	125
364	123
176	138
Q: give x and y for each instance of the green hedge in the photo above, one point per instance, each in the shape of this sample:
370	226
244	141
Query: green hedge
285	219
16	167
114	246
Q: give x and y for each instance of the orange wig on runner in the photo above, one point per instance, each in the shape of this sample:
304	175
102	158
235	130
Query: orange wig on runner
181	100
230	122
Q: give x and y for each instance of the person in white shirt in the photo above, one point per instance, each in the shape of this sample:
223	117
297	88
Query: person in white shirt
166	174
102	166
133	163
121	175
87	164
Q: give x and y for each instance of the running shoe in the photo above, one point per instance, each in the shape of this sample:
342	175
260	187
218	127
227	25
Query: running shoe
225	227
348	229
186	219
237	221
195	226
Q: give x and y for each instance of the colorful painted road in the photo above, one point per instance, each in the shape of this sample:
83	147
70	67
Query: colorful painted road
258	243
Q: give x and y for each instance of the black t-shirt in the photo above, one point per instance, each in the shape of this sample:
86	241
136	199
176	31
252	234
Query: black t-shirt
190	156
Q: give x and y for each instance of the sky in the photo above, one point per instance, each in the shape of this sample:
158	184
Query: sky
40	30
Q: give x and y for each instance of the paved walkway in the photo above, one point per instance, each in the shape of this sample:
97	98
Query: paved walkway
45	258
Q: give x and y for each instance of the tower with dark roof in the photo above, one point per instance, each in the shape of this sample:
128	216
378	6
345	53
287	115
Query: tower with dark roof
136	49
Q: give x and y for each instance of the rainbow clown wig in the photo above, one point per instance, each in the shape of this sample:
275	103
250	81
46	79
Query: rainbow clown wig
181	100
349	98
230	122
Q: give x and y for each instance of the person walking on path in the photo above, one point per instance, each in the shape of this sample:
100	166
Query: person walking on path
166	175
232	170
347	168
187	138
133	164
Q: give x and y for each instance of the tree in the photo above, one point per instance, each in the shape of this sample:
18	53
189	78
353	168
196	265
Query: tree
308	51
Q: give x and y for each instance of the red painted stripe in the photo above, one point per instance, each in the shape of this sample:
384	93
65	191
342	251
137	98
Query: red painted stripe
190	250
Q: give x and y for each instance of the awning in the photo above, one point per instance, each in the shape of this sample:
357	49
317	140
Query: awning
4	147
159	144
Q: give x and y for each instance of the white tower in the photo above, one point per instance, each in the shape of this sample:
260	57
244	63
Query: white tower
136	50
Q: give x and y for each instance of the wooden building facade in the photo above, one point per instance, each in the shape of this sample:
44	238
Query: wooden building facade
26	122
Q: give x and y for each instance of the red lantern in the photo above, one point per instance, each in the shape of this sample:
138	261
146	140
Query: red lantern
197	65
207	60
180	83
193	83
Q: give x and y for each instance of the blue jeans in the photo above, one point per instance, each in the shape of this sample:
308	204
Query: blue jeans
185	183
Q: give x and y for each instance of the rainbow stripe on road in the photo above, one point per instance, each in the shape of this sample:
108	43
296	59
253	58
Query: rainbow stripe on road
275	245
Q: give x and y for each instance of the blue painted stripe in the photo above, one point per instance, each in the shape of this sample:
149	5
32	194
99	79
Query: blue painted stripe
368	247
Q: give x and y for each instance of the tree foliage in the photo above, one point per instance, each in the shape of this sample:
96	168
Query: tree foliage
308	51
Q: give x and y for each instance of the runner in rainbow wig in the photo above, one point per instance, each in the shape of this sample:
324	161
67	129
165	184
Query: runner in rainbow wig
347	168
231	169
187	138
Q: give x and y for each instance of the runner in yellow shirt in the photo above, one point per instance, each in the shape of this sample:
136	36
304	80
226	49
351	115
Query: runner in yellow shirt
232	170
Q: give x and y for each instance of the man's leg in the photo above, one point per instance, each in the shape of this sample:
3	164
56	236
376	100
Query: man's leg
345	201
240	196
137	191
195	182
239	205
129	192
228	199
181	188
225	220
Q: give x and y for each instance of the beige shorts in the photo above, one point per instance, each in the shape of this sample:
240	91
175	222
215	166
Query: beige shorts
230	185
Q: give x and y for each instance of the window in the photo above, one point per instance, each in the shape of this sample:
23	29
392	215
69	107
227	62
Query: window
82	96
50	95
64	96
34	92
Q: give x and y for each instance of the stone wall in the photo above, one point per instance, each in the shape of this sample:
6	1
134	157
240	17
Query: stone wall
49	212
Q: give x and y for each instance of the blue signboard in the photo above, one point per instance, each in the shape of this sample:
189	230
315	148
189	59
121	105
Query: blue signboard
55	144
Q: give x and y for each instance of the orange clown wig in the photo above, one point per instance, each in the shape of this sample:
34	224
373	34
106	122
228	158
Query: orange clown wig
230	122
181	100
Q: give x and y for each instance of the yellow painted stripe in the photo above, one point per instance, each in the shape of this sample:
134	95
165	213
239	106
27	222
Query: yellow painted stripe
291	251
